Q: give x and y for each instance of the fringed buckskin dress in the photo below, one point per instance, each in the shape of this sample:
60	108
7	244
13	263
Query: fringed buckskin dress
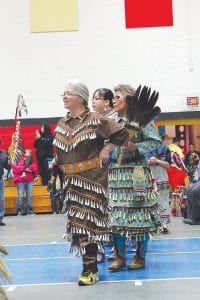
78	143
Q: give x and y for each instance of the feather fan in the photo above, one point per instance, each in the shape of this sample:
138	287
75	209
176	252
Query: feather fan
140	108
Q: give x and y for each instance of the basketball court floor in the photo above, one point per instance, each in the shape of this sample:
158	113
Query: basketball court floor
43	268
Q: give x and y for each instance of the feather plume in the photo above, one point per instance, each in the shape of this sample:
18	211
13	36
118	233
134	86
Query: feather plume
18	148
140	108
21	105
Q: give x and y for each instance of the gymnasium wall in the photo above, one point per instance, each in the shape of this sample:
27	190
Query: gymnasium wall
27	129
102	53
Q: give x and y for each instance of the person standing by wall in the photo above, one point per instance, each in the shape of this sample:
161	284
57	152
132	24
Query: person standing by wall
24	174
3	165
136	212
44	152
81	154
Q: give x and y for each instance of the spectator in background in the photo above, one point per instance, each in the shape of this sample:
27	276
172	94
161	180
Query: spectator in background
192	153
44	152
3	165
24	174
191	167
193	205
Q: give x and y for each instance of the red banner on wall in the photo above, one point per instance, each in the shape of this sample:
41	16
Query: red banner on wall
148	13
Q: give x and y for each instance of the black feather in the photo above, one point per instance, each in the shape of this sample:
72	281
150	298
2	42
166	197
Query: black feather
132	104
141	108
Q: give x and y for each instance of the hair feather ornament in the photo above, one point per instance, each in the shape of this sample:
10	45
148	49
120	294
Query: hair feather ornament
140	108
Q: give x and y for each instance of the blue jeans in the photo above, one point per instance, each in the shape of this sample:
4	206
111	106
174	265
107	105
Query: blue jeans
22	187
2	203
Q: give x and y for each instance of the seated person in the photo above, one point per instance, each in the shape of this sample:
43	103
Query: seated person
193	205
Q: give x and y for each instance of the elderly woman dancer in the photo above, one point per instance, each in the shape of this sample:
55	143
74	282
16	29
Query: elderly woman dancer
135	212
81	154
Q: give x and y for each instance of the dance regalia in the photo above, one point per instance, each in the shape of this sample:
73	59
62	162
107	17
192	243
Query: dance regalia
109	113
161	176
78	143
178	179
131	186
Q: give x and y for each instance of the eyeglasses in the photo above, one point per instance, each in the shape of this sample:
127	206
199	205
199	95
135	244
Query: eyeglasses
117	97
68	94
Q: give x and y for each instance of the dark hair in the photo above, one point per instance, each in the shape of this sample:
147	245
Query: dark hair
176	139
106	94
164	136
47	128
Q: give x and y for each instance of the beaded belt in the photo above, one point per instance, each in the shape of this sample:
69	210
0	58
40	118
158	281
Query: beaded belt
79	167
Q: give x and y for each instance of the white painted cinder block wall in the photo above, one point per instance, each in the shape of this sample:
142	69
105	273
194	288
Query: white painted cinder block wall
102	53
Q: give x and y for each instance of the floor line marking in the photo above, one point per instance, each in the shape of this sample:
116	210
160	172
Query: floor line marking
32	236
37	244
64	243
39	258
71	257
101	282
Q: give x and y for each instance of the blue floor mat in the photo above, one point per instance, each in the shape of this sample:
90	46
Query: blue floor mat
52	263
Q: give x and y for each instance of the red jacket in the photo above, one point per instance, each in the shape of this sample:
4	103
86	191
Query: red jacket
22	173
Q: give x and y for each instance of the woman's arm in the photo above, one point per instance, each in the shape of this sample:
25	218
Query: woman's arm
104	153
153	160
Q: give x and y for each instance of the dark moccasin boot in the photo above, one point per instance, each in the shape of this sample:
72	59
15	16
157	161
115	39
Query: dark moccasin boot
192	221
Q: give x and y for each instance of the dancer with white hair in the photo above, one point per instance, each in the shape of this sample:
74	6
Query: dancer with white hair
81	154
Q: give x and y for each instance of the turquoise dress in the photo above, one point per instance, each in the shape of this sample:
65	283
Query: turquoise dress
132	189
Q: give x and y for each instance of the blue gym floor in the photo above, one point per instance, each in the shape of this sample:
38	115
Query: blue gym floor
51	263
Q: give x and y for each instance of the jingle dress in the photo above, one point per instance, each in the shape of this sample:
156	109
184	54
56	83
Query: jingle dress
131	187
161	176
